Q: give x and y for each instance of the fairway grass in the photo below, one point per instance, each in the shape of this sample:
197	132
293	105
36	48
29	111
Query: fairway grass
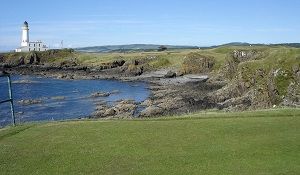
262	142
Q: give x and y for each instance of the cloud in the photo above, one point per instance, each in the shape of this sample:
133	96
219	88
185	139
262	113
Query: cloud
275	30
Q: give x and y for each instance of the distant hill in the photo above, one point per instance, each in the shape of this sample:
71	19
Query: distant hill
154	47
296	45
128	48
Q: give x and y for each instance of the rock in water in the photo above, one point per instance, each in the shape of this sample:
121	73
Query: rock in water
59	98
30	102
100	94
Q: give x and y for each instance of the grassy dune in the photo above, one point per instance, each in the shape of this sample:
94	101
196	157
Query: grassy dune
261	142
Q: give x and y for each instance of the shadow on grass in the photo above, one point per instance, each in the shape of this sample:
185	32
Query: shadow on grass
11	131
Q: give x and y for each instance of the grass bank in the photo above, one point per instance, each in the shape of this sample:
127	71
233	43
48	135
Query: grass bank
261	142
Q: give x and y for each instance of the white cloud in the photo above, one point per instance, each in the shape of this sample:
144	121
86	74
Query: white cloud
275	30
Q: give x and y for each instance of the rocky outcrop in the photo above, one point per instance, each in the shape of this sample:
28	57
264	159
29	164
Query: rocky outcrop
72	62
247	55
30	102
253	85
233	60
21	61
118	63
58	98
100	94
164	100
296	72
170	74
147	102
152	111
111	65
238	103
133	68
35	58
177	99
121	109
125	109
31	58
196	63
292	98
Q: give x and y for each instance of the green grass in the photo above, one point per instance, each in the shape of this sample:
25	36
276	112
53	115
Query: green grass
159	63
270	56
261	142
168	59
280	59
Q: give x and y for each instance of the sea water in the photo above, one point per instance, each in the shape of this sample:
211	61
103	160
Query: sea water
62	99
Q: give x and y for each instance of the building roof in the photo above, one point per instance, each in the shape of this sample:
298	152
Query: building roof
26	24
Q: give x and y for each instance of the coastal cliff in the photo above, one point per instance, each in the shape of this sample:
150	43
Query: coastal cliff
238	78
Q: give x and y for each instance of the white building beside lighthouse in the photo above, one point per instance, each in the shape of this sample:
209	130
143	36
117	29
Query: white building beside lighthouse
26	45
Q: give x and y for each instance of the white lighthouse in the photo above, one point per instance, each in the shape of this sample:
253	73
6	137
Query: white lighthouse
26	45
25	35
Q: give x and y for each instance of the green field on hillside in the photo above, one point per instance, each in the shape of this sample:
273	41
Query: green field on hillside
176	57
261	142
271	56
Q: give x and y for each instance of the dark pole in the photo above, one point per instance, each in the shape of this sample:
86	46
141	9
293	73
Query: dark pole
11	101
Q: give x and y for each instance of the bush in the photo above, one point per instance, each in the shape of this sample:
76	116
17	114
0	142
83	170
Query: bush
197	63
159	63
162	48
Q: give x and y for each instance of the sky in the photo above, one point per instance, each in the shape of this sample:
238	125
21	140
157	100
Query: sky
81	23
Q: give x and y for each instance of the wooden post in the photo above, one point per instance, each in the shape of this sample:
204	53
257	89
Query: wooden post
11	101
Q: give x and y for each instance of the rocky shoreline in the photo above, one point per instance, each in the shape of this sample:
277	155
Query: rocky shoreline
240	82
169	94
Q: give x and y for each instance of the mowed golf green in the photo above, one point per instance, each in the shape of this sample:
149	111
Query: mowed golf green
263	142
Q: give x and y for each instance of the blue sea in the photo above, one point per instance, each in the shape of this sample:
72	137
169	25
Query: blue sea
62	99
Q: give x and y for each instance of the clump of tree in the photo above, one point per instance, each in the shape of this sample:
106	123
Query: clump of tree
162	48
